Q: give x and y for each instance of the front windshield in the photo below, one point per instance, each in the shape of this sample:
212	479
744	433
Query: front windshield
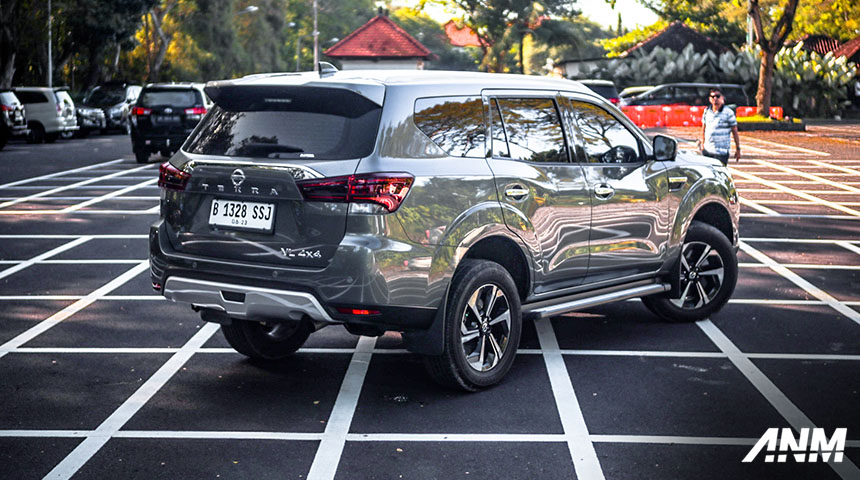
104	96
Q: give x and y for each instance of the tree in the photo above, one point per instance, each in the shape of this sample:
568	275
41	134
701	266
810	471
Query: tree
770	45
839	19
432	35
502	25
723	21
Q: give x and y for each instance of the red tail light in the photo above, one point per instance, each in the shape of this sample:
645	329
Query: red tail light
614	100
140	111
6	108
172	178
386	189
357	311
195	111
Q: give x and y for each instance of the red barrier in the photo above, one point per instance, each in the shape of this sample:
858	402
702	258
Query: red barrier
776	112
745	111
696	116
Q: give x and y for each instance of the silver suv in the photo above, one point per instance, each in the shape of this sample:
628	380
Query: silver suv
447	206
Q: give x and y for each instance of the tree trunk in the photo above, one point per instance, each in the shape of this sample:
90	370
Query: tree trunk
8	41
157	20
522	56
765	84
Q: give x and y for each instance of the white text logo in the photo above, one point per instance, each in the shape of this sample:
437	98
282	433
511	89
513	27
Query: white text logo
802	447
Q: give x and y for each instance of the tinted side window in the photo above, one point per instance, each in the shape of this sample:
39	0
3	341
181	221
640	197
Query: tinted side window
605	139
533	129
32	97
500	141
455	124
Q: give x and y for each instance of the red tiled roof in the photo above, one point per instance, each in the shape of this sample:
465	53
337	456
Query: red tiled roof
849	49
820	44
379	38
675	37
461	37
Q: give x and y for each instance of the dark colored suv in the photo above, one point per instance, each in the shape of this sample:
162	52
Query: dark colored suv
689	94
449	206
163	117
13	121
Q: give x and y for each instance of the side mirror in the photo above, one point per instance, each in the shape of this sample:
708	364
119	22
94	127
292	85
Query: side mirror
665	148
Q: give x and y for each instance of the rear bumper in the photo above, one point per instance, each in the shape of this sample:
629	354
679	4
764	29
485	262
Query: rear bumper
244	302
405	302
156	142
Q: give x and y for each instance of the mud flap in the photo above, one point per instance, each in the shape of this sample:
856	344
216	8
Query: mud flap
432	340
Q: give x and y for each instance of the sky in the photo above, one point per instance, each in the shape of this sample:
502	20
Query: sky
633	14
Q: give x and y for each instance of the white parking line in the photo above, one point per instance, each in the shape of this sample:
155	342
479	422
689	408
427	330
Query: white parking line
96	439
814	178
96	236
70	310
789	411
58	174
822	241
787	215
784	146
148	211
797	193
66	187
582	451
802	283
807	266
835	167
330	448
75	199
757	206
849	246
39	258
108	196
84	261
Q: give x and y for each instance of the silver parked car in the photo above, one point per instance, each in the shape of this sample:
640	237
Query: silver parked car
448	206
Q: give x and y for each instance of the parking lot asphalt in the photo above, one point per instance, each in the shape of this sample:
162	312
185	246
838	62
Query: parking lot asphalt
102	378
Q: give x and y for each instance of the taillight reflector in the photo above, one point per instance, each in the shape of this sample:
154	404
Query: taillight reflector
6	108
172	178
141	112
357	311
195	111
386	189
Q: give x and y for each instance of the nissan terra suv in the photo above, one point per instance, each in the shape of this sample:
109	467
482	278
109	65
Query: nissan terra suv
448	206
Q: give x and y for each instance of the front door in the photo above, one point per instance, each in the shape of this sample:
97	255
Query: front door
544	195
629	194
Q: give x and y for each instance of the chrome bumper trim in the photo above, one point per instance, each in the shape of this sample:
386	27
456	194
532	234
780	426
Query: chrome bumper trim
257	303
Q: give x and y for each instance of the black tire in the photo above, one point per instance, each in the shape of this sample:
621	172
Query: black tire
37	133
267	341
141	156
166	153
51	137
477	281
3	140
82	133
709	274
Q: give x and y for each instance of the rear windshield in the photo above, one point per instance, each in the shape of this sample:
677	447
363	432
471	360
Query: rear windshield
170	98
332	125
105	96
8	98
605	91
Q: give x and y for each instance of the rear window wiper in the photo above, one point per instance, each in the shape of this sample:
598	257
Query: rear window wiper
266	149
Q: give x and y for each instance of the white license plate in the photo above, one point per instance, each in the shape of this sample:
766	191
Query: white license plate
242	215
167	118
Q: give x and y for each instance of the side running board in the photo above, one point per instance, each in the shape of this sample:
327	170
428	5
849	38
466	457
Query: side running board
551	308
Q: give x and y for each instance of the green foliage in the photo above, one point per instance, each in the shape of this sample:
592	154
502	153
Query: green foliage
618	45
806	83
432	35
839	19
723	21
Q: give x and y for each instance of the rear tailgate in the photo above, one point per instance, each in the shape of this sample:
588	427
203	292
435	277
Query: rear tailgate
246	158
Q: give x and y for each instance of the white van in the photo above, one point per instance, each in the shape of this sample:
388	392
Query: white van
50	112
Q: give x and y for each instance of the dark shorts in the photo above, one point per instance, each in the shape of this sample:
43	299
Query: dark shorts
723	158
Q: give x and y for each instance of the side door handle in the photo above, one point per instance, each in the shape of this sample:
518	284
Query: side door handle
516	192
603	191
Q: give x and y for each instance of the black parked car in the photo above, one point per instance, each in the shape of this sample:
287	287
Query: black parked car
689	94
13	122
115	99
164	116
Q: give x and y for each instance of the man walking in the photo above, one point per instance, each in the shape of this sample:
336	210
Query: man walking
717	122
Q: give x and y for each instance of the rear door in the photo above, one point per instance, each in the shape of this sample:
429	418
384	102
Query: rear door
65	108
628	191
247	161
170	111
544	195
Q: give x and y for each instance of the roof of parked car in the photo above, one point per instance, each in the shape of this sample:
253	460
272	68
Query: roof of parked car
175	85
409	77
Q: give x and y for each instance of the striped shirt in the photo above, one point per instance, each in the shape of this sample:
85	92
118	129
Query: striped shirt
718	129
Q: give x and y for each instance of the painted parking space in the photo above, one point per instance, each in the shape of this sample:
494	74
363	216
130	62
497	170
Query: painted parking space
112	380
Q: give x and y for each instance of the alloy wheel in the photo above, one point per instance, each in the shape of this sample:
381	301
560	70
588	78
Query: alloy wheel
702	271
485	327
